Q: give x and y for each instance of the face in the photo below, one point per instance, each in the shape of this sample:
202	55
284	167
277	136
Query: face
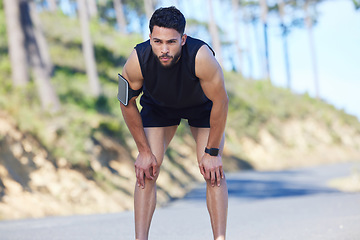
166	44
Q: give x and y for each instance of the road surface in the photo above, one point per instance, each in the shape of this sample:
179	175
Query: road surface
294	204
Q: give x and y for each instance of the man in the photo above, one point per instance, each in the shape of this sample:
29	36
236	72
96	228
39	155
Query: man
181	79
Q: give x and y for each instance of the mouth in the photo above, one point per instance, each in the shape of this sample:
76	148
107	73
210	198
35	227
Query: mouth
165	58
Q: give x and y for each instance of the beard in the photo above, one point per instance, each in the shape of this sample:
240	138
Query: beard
174	59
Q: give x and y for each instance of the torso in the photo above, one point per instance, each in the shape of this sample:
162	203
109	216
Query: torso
175	87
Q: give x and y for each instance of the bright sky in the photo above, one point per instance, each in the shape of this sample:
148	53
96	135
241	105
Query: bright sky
337	48
337	43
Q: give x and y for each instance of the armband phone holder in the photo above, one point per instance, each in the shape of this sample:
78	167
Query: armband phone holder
125	93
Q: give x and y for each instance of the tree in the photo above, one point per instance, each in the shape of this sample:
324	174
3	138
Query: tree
16	42
214	32
235	8
281	8
356	4
48	97
247	19
92	8
264	13
52	5
309	25
120	16
41	41
88	49
149	8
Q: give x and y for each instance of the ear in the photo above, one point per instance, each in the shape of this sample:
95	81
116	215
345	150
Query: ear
183	39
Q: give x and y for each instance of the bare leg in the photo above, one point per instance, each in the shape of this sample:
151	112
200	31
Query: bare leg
145	199
216	197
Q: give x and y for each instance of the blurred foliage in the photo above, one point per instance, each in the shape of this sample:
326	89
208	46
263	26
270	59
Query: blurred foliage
255	104
72	132
356	4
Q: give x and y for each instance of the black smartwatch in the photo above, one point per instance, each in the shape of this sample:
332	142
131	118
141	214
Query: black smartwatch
212	151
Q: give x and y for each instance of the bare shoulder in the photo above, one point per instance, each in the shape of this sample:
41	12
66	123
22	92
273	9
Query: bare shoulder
206	65
132	71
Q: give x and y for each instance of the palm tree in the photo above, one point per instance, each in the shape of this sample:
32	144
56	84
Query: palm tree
16	42
88	49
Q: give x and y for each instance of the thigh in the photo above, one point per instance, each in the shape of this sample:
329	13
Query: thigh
159	139
201	136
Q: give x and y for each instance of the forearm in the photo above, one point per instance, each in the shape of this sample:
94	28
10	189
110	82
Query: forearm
134	123
217	122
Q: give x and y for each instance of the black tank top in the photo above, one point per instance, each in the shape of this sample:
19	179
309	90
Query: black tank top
176	86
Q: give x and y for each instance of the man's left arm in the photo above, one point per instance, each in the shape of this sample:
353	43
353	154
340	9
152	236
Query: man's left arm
211	77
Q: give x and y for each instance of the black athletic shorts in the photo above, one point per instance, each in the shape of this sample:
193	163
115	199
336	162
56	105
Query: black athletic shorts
153	115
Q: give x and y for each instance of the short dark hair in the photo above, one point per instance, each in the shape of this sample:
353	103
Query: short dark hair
169	17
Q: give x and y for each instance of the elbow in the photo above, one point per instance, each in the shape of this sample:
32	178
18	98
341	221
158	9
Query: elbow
221	103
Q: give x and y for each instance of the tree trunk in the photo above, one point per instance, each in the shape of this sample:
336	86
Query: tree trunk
235	8
88	50
248	43
92	8
16	43
214	33
309	26
48	97
259	47
40	39
120	16
281	5
52	5
149	8
264	12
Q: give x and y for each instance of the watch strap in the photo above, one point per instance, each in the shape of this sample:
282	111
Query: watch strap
212	151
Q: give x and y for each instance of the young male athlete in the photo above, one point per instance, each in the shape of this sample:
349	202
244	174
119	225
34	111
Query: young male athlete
180	79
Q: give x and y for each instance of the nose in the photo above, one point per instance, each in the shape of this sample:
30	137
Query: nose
164	49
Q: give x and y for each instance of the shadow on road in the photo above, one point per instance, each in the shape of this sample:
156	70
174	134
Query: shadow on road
261	185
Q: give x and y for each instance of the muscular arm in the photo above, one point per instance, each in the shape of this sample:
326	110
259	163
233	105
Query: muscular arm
211	77
145	160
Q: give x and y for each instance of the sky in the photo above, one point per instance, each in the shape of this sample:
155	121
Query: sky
337	45
337	48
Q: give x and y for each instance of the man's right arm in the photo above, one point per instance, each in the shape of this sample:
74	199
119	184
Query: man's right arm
145	161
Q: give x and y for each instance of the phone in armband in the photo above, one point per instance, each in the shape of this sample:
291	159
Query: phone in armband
125	93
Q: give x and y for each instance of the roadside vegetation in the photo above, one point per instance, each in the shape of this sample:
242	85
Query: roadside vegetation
83	119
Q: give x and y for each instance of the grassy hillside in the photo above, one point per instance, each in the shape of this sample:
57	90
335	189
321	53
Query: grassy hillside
253	104
268	127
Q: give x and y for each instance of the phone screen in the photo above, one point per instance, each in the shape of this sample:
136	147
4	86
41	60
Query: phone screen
123	90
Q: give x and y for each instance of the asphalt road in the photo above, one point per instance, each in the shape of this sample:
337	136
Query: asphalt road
293	204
